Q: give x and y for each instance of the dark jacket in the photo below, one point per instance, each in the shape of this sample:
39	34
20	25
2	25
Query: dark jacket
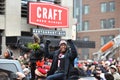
35	55
70	55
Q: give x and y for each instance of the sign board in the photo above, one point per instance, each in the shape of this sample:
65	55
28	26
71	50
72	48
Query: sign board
48	15
49	32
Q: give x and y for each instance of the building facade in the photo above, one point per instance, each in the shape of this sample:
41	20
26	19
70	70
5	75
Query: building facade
13	19
99	22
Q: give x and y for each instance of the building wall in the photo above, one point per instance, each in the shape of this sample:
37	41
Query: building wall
13	18
117	14
24	26
95	32
13	24
2	20
71	20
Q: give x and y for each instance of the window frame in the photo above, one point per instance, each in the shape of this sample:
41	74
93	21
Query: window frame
111	6
86	9
105	39
85	25
103	7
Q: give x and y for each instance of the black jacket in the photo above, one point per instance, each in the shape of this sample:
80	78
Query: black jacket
70	55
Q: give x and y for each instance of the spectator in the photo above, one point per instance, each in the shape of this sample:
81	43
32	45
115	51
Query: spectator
109	76
4	76
63	60
41	69
81	69
105	66
8	54
35	51
118	66
90	70
114	72
21	76
36	54
76	62
26	71
98	73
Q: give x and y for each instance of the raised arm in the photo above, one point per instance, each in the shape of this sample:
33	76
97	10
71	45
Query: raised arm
73	51
48	54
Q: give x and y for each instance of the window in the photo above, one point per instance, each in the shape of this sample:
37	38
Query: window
105	39
111	23
85	53
2	6
104	7
24	8
108	6
86	38
106	24
111	6
85	25
77	11
77	14
86	9
103	23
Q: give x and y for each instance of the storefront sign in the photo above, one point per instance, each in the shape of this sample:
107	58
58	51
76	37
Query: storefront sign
48	15
49	32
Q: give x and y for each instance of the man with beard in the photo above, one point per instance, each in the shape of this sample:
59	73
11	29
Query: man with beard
63	60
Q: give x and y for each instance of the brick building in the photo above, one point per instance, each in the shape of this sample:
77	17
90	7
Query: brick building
98	20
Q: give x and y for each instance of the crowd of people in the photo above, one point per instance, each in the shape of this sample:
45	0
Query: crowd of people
63	64
101	70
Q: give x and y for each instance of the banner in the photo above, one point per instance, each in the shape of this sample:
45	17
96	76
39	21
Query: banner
48	15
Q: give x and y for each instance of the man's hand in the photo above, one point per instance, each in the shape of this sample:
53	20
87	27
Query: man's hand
20	75
48	41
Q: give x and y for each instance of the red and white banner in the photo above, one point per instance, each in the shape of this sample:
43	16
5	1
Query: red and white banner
48	15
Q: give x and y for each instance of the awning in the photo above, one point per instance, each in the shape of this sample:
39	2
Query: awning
78	43
54	42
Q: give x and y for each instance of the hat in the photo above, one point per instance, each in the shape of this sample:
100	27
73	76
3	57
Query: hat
107	63
8	53
62	42
36	38
114	67
80	65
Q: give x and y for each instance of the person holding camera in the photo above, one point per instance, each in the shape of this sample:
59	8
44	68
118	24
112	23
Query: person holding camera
63	60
